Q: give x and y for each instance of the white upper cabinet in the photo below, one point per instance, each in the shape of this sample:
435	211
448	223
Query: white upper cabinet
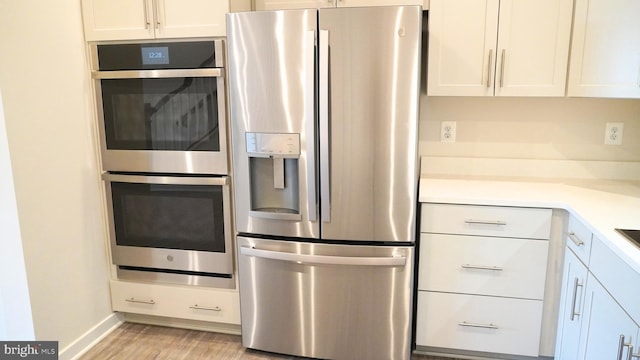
605	52
314	4
150	19
498	47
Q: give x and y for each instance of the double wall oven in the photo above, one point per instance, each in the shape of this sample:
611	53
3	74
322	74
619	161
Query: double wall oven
163	139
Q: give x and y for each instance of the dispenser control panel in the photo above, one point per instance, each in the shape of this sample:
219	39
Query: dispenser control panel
273	145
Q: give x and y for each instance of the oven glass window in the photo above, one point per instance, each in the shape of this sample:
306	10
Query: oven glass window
186	217
177	114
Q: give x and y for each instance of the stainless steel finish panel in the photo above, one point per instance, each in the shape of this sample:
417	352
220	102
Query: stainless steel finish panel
174	259
374	65
292	304
271	90
181	279
156	74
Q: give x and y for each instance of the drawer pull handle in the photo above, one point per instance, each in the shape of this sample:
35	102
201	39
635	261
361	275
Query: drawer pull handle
138	301
481	267
485	222
485	326
198	307
576	240
576	285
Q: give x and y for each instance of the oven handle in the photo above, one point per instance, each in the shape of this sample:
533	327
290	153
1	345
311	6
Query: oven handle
157	74
170	180
323	259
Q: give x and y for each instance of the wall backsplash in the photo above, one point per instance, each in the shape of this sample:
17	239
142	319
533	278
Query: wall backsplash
530	128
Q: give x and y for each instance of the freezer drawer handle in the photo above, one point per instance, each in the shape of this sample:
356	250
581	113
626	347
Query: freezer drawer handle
322	259
485	326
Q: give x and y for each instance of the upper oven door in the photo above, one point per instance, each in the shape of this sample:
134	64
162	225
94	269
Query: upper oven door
158	117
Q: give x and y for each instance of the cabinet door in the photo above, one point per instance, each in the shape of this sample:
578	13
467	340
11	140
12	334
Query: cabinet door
605	52
293	4
574	280
604	323
192	18
462	47
117	19
533	47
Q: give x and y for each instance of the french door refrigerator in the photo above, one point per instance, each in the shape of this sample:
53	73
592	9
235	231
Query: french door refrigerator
324	109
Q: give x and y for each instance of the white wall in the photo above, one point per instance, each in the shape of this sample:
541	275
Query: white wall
16	322
530	128
47	103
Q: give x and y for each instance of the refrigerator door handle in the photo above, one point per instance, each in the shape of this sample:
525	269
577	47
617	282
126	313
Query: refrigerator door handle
323	109
310	38
323	259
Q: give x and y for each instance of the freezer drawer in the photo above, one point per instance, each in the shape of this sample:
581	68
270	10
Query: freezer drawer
326	301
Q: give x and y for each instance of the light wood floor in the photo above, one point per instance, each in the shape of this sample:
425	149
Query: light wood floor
142	342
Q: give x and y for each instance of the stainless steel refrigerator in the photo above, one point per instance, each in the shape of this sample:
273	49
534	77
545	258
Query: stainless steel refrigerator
324	110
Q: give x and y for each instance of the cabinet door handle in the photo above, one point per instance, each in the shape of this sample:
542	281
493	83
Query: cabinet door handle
576	285
198	307
138	301
484	326
576	240
622	345
485	222
489	68
146	15
155	13
481	267
502	58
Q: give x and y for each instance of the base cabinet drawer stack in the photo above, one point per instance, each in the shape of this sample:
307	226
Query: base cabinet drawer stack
481	280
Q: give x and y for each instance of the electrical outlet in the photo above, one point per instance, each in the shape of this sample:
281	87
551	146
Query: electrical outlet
448	131
613	133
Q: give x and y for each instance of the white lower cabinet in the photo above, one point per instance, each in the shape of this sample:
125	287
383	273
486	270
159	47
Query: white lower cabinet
574	281
181	302
607	332
479	323
599	309
481	279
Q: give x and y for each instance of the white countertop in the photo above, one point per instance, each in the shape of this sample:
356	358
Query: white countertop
602	205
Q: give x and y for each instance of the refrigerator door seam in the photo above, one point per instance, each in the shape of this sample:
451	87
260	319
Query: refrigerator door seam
323	109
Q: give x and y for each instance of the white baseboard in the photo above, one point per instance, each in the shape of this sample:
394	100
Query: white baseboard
91	337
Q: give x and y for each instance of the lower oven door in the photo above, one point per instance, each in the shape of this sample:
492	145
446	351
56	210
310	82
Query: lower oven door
171	224
326	301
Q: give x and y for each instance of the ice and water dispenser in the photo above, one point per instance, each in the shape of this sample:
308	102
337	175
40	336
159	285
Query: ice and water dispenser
273	175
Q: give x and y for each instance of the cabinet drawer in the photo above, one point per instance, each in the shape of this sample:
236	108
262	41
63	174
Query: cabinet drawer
620	280
483	265
479	323
579	239
204	304
531	223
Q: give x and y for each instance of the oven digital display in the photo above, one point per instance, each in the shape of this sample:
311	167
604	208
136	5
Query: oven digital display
155	55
